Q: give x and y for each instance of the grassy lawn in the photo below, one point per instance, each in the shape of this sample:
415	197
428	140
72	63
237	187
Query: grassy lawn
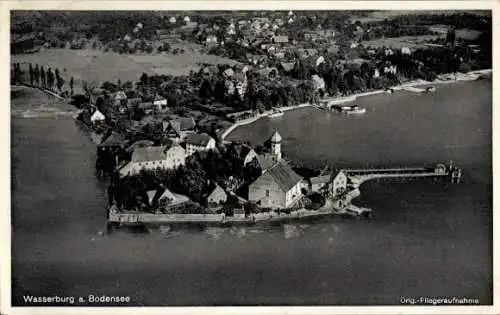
99	66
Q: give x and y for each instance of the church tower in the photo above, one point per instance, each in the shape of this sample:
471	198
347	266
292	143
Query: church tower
276	145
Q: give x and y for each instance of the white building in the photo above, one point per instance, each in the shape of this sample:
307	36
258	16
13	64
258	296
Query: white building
338	184
405	51
211	39
97	116
318	82
150	158
277	187
390	69
199	142
160	103
187	19
172	20
275	142
231	30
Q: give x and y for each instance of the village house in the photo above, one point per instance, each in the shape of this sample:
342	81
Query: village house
244	152
95	94
241	82
198	142
287	67
147	107
231	30
319	183
228	73
119	98
133	102
160	103
268	72
170	202
114	141
139	144
150	158
214	196
229	84
338	184
179	128
318	82
97	117
189	27
172	20
211	40
278	187
112	146
203	26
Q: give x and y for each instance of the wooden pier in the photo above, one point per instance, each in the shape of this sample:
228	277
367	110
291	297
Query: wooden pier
452	172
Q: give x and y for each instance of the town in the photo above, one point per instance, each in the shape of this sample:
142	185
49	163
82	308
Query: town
161	141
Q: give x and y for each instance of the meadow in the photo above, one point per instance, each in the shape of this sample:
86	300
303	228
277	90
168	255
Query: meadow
99	66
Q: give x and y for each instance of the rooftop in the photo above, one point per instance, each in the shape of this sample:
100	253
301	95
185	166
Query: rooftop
283	175
198	139
114	139
320	179
146	154
276	137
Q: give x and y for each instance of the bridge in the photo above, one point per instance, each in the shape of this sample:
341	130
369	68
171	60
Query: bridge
358	176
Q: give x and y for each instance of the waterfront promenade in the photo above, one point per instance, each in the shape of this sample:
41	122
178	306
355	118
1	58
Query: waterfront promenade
131	217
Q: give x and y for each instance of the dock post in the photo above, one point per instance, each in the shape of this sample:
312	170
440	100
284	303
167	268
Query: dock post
109	227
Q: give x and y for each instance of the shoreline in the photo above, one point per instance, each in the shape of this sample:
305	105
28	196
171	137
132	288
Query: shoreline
132	219
407	86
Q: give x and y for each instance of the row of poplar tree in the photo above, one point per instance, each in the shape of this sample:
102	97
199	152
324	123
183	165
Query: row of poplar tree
38	76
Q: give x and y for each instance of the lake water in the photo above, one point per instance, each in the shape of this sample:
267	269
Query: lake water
427	239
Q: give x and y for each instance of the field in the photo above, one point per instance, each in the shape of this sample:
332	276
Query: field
463	33
412	42
98	66
377	16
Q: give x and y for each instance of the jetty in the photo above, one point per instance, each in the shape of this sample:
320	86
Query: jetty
450	171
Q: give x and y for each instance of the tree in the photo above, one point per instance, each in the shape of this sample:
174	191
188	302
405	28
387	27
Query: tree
71	85
59	83
144	79
206	89
450	37
36	73
43	77
31	73
50	78
88	88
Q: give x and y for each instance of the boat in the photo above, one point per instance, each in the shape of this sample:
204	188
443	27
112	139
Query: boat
356	111
276	113
352	110
431	89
